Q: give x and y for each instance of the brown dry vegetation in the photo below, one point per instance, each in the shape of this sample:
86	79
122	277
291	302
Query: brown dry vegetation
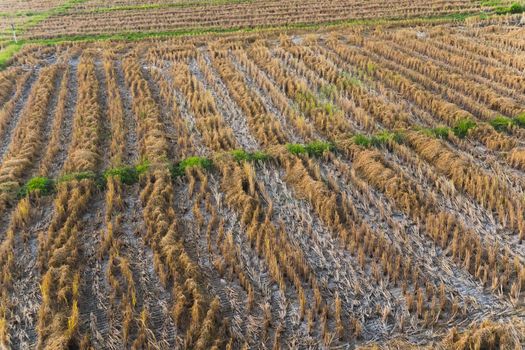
89	17
386	233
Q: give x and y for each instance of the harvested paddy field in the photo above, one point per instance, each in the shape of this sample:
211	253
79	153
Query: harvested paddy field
359	186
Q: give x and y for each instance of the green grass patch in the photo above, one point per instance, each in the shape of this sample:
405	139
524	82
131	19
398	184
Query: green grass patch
305	98
519	120
179	169
440	132
312	149
384	137
362	140
501	123
378	140
515	8
329	108
295	148
242	156
40	185
371	67
462	127
8	52
82	175
318	148
128	175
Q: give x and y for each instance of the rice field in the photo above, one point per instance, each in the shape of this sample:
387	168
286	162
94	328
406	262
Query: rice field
349	187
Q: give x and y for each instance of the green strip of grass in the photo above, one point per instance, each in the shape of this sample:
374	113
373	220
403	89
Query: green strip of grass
503	8
520	120
130	175
8	52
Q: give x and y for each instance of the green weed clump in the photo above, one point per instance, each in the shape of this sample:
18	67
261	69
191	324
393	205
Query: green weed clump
179	169
516	8
79	176
362	140
519	120
98	179
462	127
7	53
40	185
128	175
318	148
243	156
295	148
440	132
380	139
501	123
371	67
313	149
329	108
